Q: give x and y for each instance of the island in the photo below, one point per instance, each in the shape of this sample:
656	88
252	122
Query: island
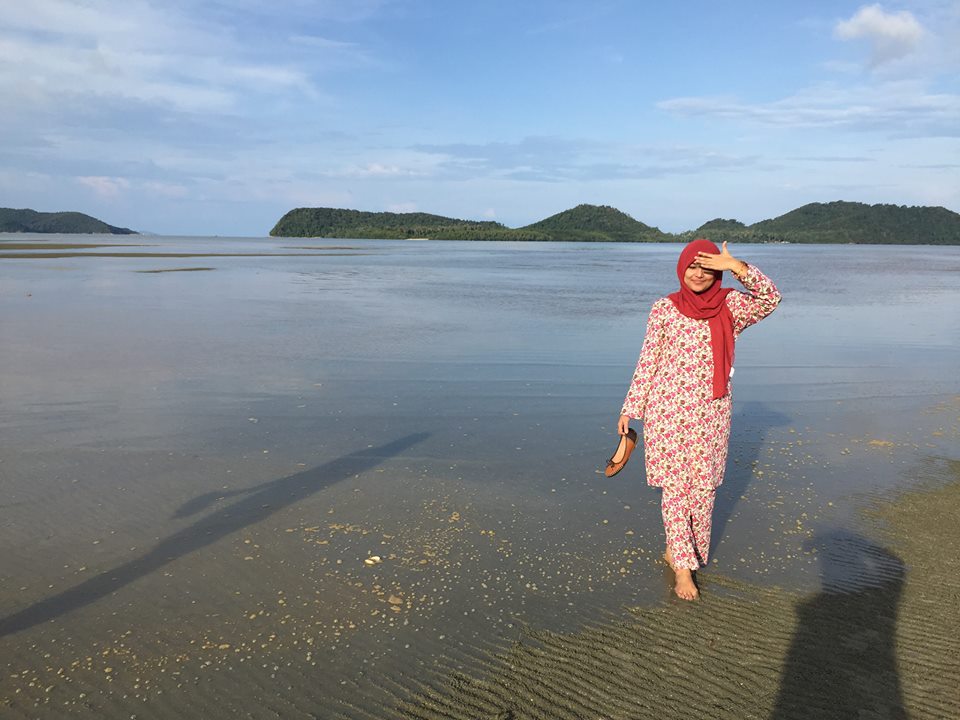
31	221
597	223
832	222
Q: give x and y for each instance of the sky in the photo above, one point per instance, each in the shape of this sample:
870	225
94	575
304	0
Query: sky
215	117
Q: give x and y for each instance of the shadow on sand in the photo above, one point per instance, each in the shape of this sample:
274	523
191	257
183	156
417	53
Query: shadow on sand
750	426
259	503
842	660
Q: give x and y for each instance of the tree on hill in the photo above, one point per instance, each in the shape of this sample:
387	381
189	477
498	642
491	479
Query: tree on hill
721	224
336	222
852	222
835	222
26	220
720	230
596	223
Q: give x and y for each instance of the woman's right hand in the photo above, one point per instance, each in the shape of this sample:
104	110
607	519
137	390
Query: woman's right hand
623	424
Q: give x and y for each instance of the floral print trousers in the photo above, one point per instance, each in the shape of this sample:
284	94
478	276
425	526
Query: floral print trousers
687	520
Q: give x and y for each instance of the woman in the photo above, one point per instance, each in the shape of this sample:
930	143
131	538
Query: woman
681	393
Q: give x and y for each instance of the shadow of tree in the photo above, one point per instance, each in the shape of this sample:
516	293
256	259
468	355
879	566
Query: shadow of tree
842	660
259	503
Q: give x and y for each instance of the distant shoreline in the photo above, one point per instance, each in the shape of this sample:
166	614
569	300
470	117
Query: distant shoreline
39	248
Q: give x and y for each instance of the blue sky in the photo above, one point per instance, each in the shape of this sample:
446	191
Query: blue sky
216	117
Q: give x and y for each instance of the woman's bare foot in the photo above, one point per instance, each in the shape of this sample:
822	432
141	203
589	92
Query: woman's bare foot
685	588
668	558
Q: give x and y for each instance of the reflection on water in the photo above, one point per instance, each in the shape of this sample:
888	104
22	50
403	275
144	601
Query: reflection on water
134	391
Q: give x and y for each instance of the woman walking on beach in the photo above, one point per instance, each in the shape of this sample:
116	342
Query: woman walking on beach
681	393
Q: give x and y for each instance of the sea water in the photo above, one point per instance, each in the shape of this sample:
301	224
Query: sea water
287	473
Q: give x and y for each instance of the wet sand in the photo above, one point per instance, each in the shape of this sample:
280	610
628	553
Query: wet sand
879	640
14	246
263	603
115	254
200	468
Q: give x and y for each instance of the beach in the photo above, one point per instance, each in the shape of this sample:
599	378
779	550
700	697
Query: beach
362	479
878	640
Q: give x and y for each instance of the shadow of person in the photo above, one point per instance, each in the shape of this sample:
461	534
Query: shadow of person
842	660
202	502
258	503
749	427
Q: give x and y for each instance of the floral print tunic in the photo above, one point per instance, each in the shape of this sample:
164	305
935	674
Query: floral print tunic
685	430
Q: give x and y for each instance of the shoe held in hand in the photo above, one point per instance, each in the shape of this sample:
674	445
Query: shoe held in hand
627	443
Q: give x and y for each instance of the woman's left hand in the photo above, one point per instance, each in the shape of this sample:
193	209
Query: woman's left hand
723	261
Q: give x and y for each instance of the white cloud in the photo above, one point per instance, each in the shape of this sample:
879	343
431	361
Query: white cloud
54	50
105	187
12	182
380	170
891	35
894	108
170	190
316	41
68	17
914	94
343	11
375	170
560	160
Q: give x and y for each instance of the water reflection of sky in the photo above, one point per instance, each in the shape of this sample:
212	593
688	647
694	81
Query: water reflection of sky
126	396
856	321
507	339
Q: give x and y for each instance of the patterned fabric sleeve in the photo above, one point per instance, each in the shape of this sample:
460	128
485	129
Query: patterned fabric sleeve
761	299
649	362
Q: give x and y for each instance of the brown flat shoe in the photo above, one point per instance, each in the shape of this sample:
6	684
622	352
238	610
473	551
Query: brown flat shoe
627	443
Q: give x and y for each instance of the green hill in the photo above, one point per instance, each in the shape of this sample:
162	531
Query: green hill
720	229
844	222
57	222
597	223
721	225
582	223
338	223
834	222
849	222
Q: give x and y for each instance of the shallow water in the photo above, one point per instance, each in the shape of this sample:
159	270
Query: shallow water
196	464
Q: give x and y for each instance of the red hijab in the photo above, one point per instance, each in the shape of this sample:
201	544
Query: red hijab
709	305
